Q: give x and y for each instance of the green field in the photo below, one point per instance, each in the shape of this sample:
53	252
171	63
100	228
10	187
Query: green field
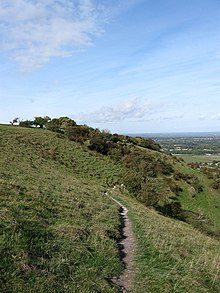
199	158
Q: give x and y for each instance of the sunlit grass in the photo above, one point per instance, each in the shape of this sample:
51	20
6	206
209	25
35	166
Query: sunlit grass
58	231
171	255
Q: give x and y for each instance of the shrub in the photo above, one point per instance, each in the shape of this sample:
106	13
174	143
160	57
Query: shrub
78	133
151	193
26	123
60	124
216	183
173	210
99	145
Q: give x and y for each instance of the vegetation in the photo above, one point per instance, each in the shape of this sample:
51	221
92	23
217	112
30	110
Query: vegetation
192	145
201	159
154	178
59	231
172	256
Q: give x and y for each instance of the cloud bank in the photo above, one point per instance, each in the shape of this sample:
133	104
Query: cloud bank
135	109
35	31
132	110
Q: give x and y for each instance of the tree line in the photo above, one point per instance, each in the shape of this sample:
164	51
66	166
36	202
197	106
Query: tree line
55	124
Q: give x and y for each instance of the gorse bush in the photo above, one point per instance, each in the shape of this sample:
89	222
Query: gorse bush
214	175
78	133
190	179
142	176
216	183
173	210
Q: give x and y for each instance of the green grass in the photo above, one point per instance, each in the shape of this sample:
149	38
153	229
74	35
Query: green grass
171	255
57	229
205	203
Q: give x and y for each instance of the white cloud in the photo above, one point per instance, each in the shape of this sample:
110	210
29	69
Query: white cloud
216	117
172	117
202	117
212	117
159	118
134	108
34	31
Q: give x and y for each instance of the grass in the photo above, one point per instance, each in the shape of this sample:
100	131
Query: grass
199	158
206	202
57	230
171	255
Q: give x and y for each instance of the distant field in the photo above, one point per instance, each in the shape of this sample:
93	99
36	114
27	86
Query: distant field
199	158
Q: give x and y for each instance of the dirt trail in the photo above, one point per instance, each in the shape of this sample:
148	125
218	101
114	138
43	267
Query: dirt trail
127	250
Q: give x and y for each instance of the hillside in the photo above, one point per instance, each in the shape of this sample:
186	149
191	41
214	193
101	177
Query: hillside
59	231
57	228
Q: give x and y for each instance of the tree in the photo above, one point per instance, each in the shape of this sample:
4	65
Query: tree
26	123
77	133
54	125
60	124
41	121
66	121
15	120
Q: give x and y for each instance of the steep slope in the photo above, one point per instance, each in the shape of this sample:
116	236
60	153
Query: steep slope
174	189
58	231
171	255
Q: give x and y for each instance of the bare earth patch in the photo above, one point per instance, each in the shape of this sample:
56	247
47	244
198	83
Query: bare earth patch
127	250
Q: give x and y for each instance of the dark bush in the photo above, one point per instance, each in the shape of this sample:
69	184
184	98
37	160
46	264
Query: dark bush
99	145
78	133
26	123
216	183
147	143
173	210
190	179
174	187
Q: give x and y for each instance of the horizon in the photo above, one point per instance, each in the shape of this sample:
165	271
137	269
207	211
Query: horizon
140	66
157	135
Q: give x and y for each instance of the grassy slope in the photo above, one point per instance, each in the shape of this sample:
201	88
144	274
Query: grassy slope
171	255
206	202
57	229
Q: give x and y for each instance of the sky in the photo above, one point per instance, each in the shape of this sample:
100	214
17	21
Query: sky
129	66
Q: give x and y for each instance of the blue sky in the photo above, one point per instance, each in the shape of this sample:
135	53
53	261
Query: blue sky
127	66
